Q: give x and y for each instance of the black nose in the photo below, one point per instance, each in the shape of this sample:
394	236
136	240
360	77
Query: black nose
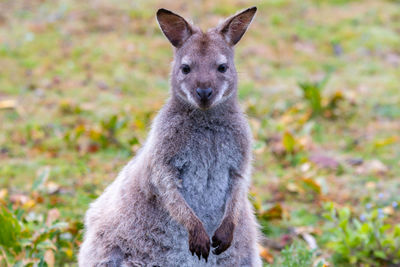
204	94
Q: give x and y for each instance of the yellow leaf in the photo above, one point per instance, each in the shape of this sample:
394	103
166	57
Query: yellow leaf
139	124
69	252
386	141
265	254
288	141
29	204
273	213
312	184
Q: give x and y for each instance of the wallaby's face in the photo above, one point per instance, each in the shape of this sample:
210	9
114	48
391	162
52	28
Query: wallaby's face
203	73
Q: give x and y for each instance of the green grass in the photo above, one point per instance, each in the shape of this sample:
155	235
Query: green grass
87	77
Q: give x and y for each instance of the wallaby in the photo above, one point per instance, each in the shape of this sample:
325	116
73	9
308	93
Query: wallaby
190	180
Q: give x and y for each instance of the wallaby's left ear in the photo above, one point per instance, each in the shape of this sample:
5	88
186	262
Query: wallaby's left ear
234	27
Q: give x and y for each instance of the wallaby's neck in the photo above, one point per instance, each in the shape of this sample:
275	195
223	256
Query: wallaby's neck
229	106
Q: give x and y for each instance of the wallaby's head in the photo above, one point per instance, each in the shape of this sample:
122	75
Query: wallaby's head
203	72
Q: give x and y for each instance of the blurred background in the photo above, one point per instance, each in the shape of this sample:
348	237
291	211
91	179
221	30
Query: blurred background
80	82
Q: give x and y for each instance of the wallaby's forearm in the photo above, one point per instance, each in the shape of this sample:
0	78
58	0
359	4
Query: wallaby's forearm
237	195
223	236
172	199
239	176
179	210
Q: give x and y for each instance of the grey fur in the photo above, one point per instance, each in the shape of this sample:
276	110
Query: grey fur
190	180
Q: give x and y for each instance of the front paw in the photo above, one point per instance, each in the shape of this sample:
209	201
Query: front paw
223	237
199	241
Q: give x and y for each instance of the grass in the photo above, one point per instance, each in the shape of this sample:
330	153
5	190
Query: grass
85	80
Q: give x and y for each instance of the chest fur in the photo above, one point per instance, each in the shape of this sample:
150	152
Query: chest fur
204	163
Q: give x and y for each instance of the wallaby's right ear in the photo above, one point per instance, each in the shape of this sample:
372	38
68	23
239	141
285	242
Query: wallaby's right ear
174	27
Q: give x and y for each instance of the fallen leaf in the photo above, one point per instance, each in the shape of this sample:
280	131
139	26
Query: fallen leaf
37	197
29	204
69	252
385	142
312	184
304	229
355	161
286	240
292	187
52	188
49	258
393	59
19	199
52	215
374	166
8	104
265	254
312	243
388	210
42	176
3	193
288	142
274	142
324	161
370	185
305	167
306	233
273	213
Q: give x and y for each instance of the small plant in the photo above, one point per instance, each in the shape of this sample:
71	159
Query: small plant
367	241
320	106
94	136
296	255
26	240
312	93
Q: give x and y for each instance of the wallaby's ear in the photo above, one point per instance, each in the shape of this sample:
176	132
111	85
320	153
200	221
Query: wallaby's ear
234	27
174	27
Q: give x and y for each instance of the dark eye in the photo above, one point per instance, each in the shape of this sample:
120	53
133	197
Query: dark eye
185	69
222	68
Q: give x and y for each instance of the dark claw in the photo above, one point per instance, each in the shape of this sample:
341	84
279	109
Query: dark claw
206	253
221	248
222	238
199	242
215	242
198	254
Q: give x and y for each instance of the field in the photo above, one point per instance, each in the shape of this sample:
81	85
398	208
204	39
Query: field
80	82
